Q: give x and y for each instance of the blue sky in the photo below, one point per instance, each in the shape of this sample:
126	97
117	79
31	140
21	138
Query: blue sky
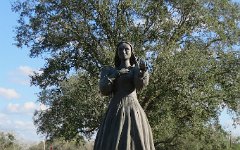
17	97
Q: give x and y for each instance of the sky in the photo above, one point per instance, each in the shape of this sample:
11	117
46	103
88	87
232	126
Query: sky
17	97
18	100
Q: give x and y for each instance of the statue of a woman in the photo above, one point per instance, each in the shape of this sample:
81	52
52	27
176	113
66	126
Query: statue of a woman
125	125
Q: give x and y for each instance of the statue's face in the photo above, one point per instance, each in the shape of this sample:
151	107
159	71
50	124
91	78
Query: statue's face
124	51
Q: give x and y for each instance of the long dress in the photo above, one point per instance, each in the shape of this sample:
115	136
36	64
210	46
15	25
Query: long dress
125	125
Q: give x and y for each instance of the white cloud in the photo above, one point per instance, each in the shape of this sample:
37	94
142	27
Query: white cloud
13	107
22	73
22	127
26	70
27	107
42	107
8	93
3	119
19	124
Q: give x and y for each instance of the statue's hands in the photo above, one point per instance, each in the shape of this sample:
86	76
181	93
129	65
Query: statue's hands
114	74
117	73
142	65
111	74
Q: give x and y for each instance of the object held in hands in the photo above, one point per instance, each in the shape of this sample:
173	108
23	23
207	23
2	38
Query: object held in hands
142	65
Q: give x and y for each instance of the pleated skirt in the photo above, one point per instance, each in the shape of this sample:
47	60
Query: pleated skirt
125	127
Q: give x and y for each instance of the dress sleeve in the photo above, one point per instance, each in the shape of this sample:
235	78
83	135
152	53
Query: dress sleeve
141	78
106	83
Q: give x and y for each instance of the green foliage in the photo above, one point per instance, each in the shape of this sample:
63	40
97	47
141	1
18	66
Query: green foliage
76	107
39	146
60	144
192	48
8	142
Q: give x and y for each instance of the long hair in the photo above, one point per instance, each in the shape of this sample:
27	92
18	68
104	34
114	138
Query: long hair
117	61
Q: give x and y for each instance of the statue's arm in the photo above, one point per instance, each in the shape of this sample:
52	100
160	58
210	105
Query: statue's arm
107	78
141	78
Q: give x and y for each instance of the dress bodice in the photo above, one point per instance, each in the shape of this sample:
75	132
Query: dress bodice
124	84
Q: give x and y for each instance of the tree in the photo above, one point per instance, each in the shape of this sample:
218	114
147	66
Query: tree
39	146
8	142
235	142
191	47
60	144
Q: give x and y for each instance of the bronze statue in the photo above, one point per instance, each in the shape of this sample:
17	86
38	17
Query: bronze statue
125	125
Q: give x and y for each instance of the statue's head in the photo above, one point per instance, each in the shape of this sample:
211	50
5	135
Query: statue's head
119	56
